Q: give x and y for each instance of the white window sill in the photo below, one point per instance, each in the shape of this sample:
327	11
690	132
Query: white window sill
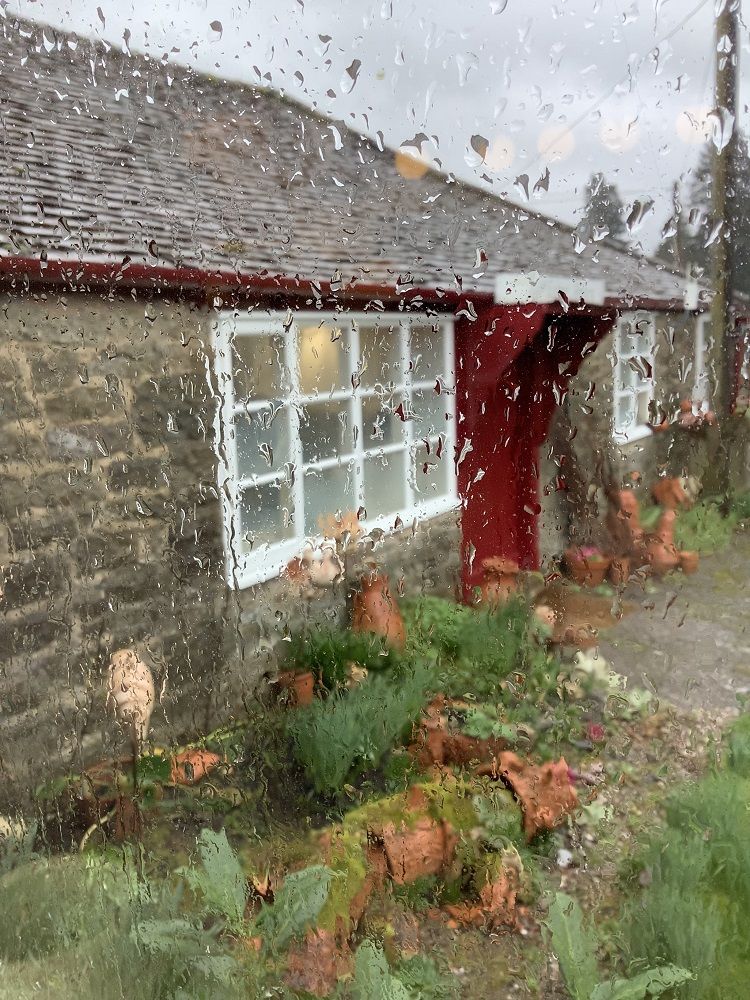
632	434
256	568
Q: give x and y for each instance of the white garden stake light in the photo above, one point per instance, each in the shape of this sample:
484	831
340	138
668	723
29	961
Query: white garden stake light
131	694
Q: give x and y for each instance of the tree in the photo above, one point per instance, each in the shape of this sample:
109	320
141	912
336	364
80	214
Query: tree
688	234
603	210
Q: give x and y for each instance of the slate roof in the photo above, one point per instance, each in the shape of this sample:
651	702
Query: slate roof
105	154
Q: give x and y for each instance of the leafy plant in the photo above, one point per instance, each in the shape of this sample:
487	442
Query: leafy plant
97	929
295	907
358	727
704	528
328	653
373	980
574	943
483	726
220	880
737	745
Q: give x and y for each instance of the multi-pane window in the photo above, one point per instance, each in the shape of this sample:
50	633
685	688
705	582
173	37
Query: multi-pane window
325	414
634	349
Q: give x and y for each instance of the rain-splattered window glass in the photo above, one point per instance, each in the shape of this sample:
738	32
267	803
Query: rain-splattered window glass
633	376
324	415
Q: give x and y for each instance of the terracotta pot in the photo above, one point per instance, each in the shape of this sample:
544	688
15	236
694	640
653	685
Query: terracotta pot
619	571
662	553
669	493
301	686
689	562
624	523
588	571
375	610
499	581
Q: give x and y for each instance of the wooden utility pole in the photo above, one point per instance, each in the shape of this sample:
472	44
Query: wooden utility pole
723	344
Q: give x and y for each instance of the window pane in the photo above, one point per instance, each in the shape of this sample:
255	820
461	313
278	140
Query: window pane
262	440
323	359
430	473
380	425
327	492
426	347
623	412
325	430
265	515
429	412
384	484
380	353
259	367
641	407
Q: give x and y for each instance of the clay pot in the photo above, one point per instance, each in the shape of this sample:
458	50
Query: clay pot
619	571
301	686
586	570
375	610
689	562
669	493
499	582
662	553
624	523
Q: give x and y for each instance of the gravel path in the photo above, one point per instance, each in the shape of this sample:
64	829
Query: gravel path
689	642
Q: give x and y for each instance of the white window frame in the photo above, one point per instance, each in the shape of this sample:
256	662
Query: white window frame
701	383
629	432
245	569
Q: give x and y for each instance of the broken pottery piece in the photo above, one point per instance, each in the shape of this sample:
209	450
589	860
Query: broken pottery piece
543	791
190	766
316	964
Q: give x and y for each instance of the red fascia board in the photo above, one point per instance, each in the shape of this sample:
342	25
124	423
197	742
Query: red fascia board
194	282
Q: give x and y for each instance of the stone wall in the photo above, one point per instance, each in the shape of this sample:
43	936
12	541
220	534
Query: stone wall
110	530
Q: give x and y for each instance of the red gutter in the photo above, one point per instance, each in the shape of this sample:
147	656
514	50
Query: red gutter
88	276
196	282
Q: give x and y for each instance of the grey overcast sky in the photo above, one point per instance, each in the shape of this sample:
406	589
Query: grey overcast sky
576	86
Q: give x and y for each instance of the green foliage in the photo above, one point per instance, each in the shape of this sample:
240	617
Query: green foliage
220	880
696	910
574	943
424	981
704	528
741	505
97	929
295	907
373	980
328	653
491	646
358	727
484	726
737	745
435	624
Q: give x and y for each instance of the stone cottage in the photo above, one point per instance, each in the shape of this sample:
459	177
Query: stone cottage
226	318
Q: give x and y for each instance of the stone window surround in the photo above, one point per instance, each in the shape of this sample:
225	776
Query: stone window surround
245	569
627	433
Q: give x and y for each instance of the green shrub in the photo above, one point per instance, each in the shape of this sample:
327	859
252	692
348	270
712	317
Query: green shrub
696	910
704	528
434	623
96	929
737	745
491	646
741	505
328	653
357	728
